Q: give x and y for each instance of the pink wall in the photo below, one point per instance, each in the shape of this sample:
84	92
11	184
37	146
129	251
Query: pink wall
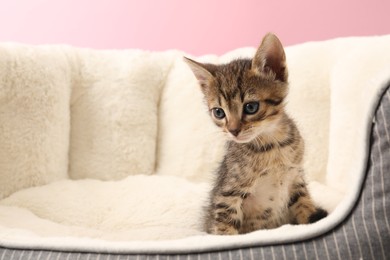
197	27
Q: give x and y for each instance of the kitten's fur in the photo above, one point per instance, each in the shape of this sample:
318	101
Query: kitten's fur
260	182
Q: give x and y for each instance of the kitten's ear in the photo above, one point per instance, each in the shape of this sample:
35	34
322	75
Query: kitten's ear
203	72
270	58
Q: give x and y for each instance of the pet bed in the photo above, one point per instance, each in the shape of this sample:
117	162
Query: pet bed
110	154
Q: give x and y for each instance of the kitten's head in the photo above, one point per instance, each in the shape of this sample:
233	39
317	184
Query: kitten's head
245	97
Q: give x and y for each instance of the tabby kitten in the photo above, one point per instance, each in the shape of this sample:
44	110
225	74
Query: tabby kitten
260	182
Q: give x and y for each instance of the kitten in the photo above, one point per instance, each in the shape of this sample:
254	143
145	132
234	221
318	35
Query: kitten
260	182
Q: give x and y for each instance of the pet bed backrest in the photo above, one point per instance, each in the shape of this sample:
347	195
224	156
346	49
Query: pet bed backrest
35	89
114	109
68	112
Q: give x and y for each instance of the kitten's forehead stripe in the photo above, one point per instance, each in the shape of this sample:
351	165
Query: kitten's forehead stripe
221	90
239	85
219	100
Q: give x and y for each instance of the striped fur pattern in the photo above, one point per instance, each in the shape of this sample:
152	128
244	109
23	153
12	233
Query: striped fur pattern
260	182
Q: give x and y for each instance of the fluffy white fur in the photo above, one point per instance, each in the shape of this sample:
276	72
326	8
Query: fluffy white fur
114	109
34	116
134	112
133	208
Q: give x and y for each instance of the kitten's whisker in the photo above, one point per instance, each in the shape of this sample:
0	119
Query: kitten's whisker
216	134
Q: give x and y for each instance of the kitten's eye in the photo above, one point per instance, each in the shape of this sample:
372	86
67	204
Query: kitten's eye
251	108
218	112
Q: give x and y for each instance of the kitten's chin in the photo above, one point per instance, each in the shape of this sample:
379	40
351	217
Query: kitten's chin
241	139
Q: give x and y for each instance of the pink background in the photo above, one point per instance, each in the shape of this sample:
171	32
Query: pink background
198	27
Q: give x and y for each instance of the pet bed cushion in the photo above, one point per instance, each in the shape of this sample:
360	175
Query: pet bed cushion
113	151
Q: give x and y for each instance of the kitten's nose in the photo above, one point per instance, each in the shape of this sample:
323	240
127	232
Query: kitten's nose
235	131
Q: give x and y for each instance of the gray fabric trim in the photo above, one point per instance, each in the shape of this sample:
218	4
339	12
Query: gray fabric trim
364	234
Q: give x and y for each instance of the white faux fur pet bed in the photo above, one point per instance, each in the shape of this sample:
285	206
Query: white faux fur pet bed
113	151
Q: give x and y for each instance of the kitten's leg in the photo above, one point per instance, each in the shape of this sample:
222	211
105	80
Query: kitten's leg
226	215
301	206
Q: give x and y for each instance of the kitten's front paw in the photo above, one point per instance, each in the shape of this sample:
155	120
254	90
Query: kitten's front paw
223	230
317	215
